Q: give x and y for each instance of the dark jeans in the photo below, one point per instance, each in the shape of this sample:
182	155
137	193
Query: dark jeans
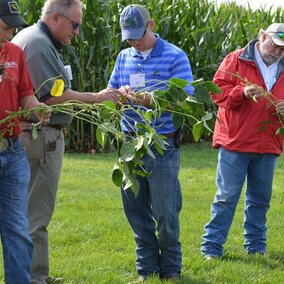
154	215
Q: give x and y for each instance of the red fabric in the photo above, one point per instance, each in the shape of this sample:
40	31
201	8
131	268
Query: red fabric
244	125
15	84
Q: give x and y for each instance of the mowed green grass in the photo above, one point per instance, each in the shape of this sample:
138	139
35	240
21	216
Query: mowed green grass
91	241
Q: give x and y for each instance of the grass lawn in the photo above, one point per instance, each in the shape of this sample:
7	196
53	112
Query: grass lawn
91	241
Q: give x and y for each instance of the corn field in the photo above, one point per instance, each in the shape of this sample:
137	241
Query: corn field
205	31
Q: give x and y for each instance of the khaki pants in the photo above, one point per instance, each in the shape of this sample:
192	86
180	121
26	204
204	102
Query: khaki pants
45	158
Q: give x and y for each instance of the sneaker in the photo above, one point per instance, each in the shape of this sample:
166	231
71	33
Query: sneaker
54	280
140	279
212	257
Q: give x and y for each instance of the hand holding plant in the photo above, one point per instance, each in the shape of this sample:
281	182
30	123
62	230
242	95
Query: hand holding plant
137	98
44	115
109	94
198	111
253	92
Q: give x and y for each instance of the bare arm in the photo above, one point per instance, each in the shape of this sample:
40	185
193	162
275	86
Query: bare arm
31	102
87	97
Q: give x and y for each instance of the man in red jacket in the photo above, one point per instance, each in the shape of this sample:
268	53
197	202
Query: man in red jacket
250	106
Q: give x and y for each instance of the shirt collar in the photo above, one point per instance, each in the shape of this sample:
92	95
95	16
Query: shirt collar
156	51
47	31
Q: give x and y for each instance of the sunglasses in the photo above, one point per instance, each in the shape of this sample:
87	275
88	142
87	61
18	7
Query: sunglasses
74	24
280	35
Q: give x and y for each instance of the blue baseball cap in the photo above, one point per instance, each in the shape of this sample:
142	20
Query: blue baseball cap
133	21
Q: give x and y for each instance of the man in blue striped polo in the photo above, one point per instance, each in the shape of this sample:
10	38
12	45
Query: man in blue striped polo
154	214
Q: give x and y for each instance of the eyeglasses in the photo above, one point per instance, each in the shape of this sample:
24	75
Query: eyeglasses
145	30
74	24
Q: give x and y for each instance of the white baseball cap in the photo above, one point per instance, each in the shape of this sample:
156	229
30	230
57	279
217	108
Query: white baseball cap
276	31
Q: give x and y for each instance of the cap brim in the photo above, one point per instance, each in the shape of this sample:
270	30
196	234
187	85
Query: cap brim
14	21
132	34
277	41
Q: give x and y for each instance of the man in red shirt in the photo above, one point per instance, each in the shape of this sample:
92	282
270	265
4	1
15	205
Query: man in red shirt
16	90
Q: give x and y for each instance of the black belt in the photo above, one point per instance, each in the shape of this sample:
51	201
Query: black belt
170	135
29	130
56	126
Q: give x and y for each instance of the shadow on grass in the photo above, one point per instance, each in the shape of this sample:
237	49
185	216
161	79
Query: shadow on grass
277	256
271	261
183	280
191	280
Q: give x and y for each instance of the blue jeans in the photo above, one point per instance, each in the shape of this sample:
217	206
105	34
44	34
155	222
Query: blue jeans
14	225
232	170
154	215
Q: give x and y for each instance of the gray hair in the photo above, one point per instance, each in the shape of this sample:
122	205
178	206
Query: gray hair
261	32
61	6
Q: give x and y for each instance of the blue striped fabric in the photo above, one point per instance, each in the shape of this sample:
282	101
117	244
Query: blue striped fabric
164	62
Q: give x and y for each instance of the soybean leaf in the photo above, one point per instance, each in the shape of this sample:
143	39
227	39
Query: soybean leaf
212	87
280	131
162	102
101	136
159	144
178	120
196	82
170	95
197	131
181	83
207	116
127	151
105	114
131	182
148	150
178	93
201	94
206	126
109	104
139	142
141	173
34	134
193	108
117	176
148	115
